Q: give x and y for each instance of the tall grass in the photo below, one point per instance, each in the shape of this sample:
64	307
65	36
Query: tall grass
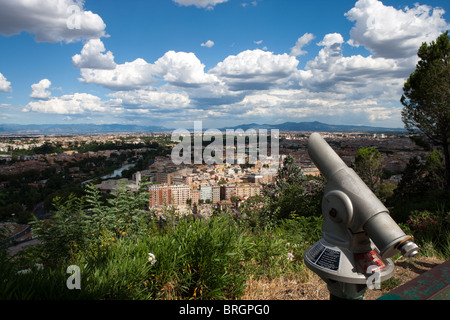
190	259
124	256
431	230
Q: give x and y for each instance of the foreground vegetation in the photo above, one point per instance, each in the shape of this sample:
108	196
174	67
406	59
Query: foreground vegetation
123	251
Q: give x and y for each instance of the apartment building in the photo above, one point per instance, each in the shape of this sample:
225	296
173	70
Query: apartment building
215	193
180	193
205	192
248	190
227	191
160	195
164	178
165	194
195	196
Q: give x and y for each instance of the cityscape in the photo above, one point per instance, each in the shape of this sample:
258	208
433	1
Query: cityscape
224	150
189	189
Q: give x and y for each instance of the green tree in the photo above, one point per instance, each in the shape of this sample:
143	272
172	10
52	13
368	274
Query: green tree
426	97
367	165
289	174
66	231
421	176
292	193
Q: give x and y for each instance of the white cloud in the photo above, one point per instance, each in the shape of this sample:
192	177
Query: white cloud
50	21
208	44
5	85
182	69
92	57
331	39
208	4
354	75
254	69
77	103
327	56
281	105
297	50
150	98
391	33
126	76
39	90
260	86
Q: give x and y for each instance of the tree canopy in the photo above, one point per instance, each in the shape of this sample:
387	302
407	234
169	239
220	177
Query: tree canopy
426	96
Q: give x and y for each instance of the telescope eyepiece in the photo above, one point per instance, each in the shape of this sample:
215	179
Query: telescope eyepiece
409	249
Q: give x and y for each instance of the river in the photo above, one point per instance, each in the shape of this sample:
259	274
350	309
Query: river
118	172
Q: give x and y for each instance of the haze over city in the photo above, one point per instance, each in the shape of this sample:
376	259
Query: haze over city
224	62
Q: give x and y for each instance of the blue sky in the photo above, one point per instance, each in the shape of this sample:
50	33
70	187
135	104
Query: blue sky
224	62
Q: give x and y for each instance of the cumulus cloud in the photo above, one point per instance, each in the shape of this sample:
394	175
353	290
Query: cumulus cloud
182	69
297	50
208	44
5	85
281	105
153	99
260	86
39	90
254	69
92	56
208	4
77	103
126	76
50	21
354	75
391	33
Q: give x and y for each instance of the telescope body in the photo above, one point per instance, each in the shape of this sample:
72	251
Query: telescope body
349	201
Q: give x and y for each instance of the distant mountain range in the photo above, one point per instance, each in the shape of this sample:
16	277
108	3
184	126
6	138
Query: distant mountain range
58	129
315	126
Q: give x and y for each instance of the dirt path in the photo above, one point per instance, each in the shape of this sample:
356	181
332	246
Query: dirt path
289	288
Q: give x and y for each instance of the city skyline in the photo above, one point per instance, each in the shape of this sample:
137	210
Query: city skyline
223	62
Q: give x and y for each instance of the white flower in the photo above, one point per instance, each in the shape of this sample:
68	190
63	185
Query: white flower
151	258
39	266
25	271
290	256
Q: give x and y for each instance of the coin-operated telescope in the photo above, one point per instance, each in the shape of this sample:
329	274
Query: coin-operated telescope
358	234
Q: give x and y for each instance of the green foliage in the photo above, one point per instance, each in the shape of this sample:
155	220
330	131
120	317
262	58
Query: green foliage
426	98
200	259
430	229
33	282
368	166
421	187
66	231
293	193
124	252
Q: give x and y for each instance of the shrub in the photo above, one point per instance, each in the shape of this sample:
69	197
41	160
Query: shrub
197	259
430	230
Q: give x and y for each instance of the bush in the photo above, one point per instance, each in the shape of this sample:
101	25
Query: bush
124	252
196	259
201	258
431	230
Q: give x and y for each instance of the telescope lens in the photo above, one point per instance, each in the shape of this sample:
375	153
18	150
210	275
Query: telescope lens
409	249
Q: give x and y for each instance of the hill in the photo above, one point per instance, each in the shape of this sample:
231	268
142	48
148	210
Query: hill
315	126
59	129
76	128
